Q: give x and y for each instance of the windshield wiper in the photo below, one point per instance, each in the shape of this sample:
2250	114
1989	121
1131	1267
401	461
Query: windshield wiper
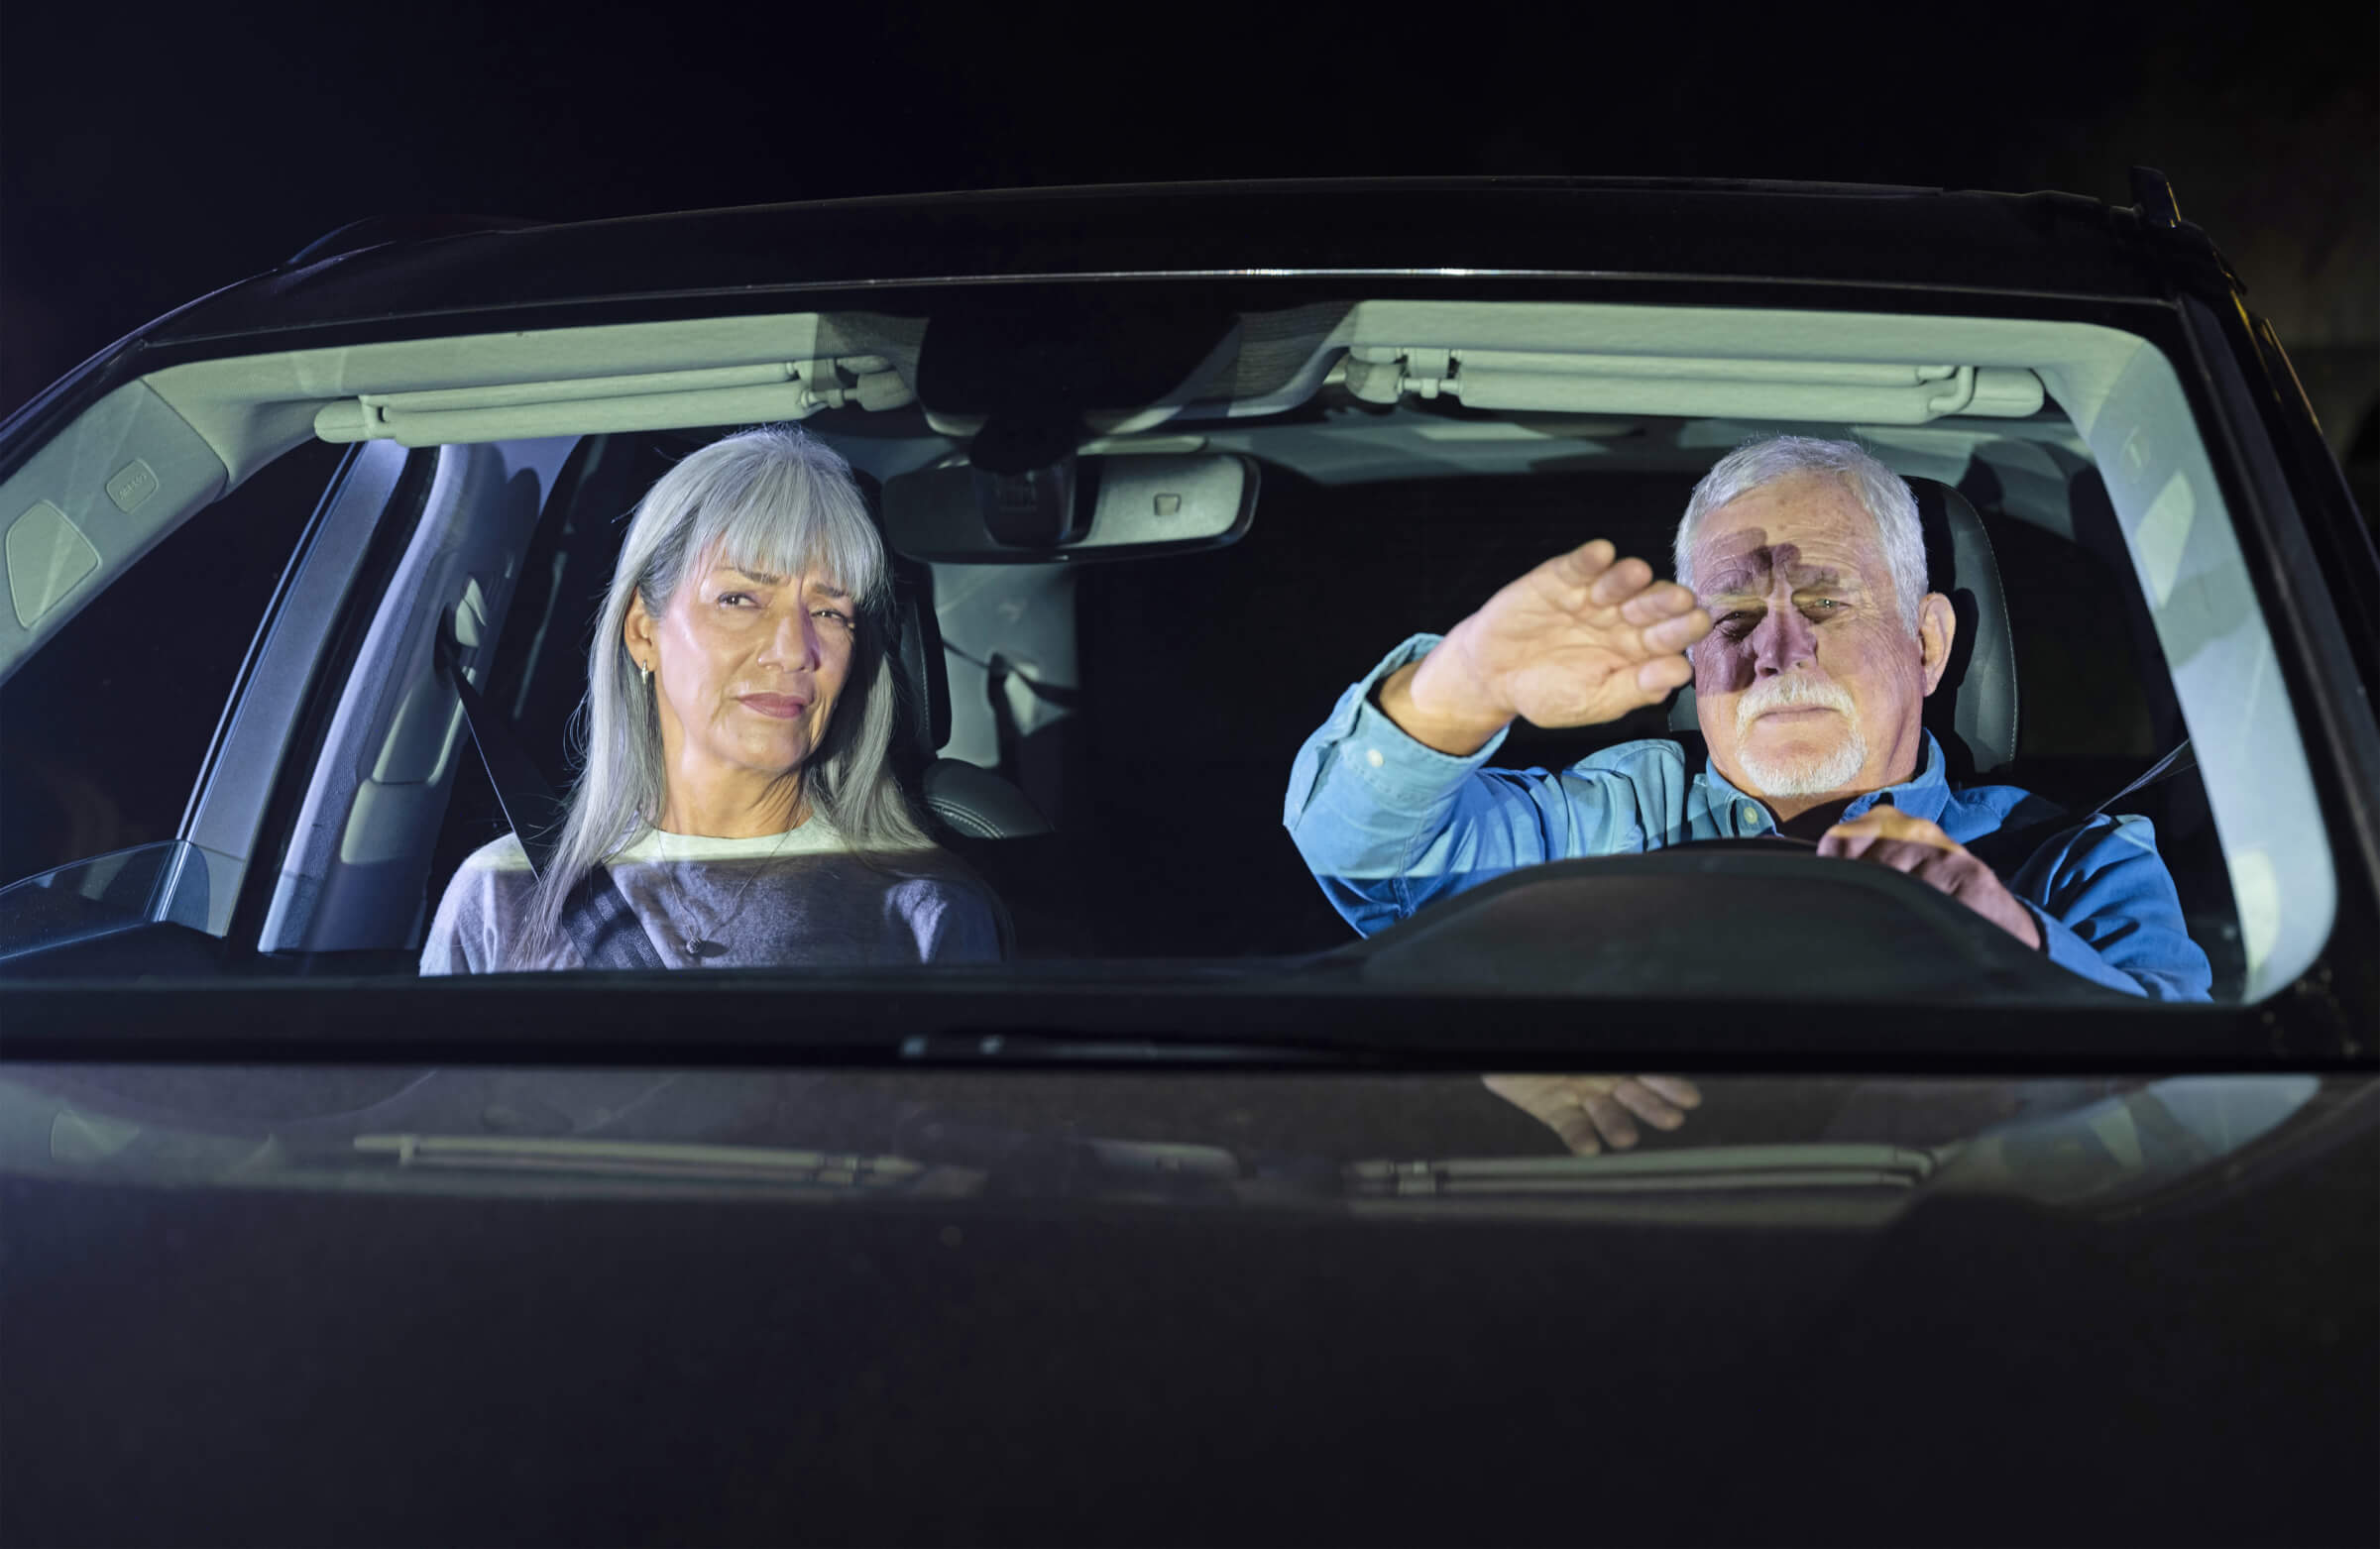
1702	1171
657	1159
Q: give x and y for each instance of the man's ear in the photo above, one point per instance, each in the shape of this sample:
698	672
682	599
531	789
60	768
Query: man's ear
637	633
1937	629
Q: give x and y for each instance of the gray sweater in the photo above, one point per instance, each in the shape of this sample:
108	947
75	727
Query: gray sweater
801	898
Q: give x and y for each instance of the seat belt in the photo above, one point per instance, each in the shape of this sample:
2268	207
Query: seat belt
597	916
530	804
601	922
2007	849
2179	761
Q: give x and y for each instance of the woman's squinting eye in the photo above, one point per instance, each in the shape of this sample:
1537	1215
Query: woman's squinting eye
727	598
838	614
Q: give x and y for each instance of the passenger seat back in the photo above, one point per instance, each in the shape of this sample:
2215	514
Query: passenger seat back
970	800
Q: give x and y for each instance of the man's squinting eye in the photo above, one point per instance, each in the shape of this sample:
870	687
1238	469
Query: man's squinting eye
1741	622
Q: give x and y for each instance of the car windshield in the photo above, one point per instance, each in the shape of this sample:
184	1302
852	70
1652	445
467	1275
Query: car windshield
1193	631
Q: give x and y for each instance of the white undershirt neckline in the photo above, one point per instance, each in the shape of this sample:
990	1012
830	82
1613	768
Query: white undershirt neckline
657	846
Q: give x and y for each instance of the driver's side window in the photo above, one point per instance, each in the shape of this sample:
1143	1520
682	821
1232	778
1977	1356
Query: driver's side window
103	731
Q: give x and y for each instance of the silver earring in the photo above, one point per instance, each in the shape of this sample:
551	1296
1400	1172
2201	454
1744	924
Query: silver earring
648	678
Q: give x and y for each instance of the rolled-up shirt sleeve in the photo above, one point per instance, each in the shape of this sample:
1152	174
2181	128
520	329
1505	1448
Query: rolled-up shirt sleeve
2108	910
1387	825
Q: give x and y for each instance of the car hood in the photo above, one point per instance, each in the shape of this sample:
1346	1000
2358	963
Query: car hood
1180	1308
1851	1151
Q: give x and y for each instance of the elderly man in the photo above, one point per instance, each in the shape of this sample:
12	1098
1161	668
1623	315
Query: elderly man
1801	617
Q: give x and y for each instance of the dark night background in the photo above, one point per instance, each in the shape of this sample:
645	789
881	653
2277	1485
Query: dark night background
150	154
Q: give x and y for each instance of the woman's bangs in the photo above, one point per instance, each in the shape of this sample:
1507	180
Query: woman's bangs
793	538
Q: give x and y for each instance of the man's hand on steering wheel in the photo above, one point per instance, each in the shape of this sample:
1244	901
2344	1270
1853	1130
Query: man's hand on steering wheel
1590	1112
1888	837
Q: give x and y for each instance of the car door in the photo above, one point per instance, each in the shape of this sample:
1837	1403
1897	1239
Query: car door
152	677
196	673
312	806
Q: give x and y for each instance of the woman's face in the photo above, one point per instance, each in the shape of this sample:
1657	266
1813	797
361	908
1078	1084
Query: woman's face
747	668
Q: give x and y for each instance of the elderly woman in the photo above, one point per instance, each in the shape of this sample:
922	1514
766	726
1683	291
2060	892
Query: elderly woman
737	803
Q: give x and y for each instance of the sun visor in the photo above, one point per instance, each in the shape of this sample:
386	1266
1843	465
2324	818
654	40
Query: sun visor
594	405
1563	382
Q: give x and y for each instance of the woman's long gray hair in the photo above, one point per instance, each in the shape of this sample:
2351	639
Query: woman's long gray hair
768	500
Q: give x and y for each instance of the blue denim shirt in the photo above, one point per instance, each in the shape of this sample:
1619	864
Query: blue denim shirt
1388	825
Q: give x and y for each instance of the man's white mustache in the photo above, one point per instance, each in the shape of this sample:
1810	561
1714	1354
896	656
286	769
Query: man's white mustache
1788	693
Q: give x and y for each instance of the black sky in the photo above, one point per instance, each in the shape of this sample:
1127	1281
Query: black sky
146	157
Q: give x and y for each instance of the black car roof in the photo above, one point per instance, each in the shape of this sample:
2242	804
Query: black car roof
1861	236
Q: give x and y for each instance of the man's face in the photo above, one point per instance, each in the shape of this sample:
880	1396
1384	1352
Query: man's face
1809	686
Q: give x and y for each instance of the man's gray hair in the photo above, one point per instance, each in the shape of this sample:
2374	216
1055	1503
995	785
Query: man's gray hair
771	501
1883	493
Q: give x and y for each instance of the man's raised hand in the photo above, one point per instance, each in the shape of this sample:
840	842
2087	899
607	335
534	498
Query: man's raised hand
1582	639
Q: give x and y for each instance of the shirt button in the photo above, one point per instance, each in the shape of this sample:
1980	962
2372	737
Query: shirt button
1375	757
1752	815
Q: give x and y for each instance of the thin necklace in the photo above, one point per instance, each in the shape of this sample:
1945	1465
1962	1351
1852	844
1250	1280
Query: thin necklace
705	947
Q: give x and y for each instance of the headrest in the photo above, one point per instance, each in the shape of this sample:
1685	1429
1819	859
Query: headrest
915	652
1979	690
913	644
1973	711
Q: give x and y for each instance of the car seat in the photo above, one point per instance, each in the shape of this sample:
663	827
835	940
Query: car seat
975	812
968	800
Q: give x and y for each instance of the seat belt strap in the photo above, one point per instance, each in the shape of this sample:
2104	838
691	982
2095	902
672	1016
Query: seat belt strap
2162	769
603	925
2007	849
597	916
530	804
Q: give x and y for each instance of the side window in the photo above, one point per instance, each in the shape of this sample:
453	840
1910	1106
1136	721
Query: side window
102	733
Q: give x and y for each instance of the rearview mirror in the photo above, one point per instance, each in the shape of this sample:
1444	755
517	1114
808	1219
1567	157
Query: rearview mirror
1091	508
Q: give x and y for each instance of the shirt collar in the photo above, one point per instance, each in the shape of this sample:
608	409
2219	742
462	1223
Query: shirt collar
1923	795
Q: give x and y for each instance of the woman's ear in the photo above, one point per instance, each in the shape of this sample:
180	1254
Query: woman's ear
638	633
1937	631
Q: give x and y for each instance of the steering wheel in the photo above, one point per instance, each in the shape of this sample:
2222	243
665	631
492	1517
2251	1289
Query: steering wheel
1730	916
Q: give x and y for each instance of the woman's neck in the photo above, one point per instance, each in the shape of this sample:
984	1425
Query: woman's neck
731	815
